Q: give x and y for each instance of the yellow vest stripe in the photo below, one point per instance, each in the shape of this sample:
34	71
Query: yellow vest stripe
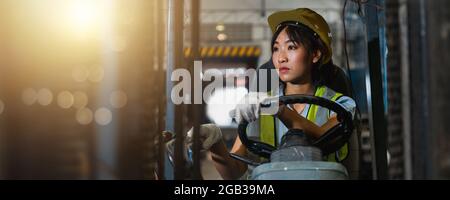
313	109
331	157
337	95
333	99
267	129
343	152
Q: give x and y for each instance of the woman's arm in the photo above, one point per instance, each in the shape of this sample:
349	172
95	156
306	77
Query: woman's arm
292	119
228	167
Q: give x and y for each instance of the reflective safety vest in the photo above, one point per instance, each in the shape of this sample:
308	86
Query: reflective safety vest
316	114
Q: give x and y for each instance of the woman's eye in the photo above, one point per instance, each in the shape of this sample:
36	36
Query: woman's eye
275	49
292	47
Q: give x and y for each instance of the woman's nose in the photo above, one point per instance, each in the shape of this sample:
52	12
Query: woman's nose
282	58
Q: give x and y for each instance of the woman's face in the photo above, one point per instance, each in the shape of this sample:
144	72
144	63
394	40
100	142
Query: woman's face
291	60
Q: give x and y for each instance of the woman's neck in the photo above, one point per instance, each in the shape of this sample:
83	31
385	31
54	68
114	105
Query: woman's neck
304	88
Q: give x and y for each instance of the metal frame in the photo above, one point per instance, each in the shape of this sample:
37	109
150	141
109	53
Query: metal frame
419	78
374	84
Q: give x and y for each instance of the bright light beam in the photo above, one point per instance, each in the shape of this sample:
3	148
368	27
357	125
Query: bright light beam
84	15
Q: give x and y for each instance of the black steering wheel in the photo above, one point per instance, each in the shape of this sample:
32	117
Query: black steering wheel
329	142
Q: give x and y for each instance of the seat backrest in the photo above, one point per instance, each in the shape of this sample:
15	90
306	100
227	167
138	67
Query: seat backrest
336	79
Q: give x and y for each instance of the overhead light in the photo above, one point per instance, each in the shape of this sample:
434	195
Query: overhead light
220	27
222	37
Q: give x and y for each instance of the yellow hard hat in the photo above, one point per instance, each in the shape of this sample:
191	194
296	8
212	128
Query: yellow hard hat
308	18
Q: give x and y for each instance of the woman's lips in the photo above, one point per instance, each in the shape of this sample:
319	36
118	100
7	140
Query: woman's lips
283	70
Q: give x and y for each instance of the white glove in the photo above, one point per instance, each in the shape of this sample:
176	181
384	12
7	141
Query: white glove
248	107
210	134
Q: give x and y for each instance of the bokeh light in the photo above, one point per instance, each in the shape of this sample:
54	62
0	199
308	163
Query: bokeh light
80	74
84	116
2	106
103	116
29	96
80	100
45	97
96	74
65	99
118	99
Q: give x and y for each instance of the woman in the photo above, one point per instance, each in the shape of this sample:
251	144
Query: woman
301	47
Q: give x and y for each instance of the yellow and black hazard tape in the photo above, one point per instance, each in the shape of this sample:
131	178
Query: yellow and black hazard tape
226	51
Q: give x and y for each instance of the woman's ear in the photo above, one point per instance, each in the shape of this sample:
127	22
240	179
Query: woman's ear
316	57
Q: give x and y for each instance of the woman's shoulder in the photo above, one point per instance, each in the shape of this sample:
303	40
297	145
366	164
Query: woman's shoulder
345	101
339	97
